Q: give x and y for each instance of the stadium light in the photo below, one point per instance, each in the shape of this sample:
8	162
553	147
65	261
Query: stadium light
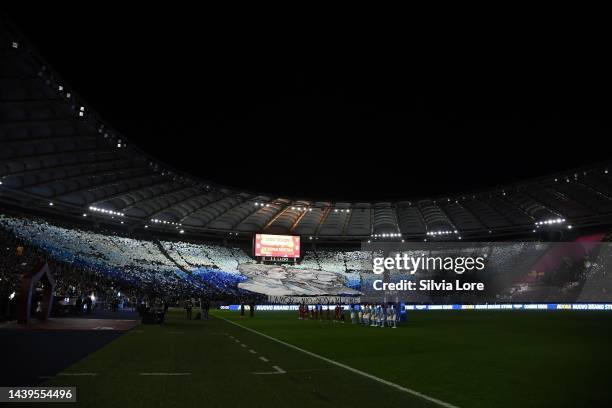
103	211
441	232
550	221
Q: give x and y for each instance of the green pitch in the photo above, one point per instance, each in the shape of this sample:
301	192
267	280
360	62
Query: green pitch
463	358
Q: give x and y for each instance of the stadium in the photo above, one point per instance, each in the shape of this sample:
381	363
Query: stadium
128	279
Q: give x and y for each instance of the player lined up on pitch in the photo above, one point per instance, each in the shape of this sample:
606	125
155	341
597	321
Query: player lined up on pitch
373	315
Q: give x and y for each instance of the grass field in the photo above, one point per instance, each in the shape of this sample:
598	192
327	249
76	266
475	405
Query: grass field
463	358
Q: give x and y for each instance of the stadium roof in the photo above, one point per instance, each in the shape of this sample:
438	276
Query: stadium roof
57	153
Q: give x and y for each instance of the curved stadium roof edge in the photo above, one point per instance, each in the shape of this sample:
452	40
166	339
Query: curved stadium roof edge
56	150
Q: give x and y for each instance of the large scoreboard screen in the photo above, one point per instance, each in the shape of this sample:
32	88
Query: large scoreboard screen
277	246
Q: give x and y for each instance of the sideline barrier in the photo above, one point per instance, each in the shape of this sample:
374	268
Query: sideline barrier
509	306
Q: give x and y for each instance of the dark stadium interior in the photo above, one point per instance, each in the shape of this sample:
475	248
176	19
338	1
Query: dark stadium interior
193	208
215	87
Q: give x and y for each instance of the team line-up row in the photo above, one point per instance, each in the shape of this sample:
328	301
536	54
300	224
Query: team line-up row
374	315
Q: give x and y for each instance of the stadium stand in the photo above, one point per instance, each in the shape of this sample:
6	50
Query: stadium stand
59	155
87	262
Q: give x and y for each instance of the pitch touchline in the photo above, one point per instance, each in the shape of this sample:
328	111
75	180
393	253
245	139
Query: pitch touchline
354	370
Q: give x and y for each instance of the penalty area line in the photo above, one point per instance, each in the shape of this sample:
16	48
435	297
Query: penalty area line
349	368
77	374
277	370
69	375
164	374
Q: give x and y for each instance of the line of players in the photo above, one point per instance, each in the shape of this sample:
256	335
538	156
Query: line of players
373	315
316	312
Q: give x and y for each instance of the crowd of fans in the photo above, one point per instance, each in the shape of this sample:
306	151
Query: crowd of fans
79	283
105	269
123	270
116	270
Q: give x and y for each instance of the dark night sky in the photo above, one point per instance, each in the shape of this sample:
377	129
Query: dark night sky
341	117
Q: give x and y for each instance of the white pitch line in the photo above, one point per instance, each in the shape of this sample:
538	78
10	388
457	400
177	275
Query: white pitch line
308	370
277	370
349	368
243	345
265	360
252	351
78	374
164	374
